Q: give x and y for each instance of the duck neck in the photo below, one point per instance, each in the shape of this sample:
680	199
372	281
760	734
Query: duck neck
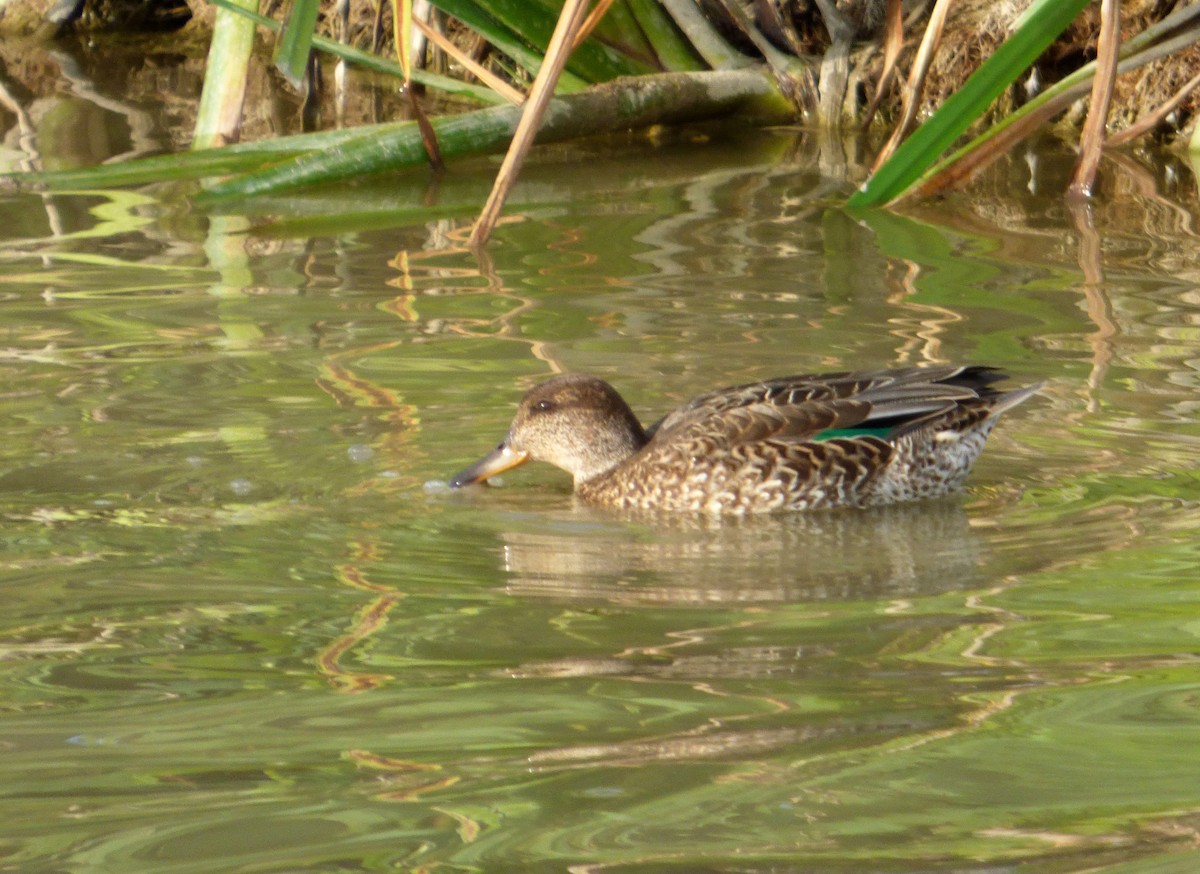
609	447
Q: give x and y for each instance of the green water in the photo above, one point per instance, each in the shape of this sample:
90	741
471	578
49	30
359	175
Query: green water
242	631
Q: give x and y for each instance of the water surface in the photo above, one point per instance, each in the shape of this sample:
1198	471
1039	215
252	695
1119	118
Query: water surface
242	633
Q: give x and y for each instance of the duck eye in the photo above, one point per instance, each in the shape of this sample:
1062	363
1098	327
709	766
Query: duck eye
544	406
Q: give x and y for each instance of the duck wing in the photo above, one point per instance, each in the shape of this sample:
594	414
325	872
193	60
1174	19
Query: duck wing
822	406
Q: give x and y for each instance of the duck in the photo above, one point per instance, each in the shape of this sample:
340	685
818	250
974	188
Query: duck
806	442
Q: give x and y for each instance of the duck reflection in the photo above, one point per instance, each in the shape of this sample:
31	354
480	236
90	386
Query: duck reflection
883	553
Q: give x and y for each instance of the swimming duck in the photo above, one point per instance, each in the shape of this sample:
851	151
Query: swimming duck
793	443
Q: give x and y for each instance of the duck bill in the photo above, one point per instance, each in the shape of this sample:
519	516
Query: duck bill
500	459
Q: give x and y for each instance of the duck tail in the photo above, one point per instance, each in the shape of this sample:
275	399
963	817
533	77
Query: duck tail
1001	402
978	378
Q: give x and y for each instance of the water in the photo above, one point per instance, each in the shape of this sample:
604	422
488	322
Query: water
242	633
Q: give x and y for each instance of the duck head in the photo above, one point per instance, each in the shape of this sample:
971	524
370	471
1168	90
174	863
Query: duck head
576	422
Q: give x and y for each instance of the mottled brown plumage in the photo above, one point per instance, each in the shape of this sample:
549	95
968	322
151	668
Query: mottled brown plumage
796	443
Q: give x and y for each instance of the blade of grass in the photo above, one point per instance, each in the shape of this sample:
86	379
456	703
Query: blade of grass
294	43
402	27
219	116
525	44
535	20
1044	21
620	31
237	158
670	46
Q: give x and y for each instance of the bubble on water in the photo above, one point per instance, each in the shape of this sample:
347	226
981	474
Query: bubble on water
241	486
441	487
360	453
87	740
